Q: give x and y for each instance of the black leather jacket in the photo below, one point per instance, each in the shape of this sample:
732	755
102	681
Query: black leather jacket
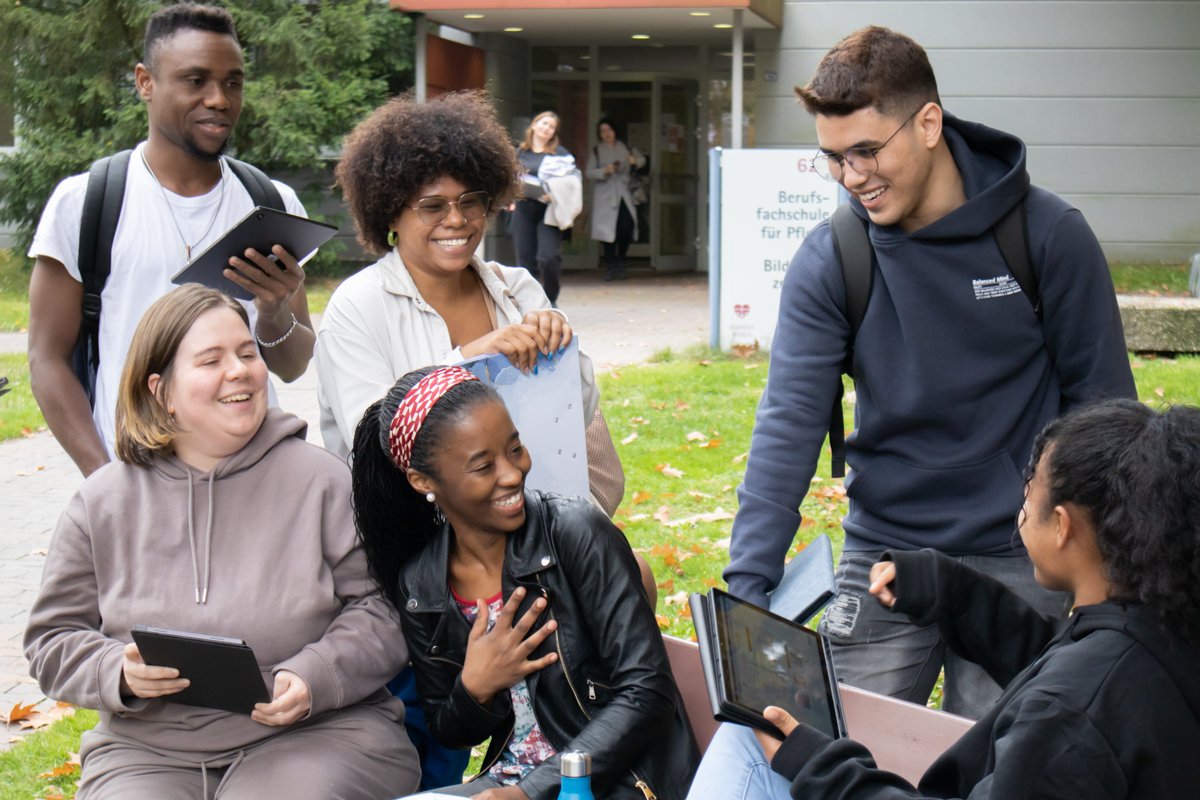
610	693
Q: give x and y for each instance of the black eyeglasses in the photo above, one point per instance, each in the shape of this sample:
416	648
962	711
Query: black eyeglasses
435	208
832	166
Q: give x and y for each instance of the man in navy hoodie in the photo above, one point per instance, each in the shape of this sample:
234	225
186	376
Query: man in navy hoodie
954	372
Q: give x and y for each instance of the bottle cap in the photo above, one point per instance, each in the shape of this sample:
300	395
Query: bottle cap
575	764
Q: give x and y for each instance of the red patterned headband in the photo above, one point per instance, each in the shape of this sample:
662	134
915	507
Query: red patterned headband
415	406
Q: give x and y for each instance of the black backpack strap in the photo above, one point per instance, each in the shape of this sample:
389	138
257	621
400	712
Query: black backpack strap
262	191
97	228
852	246
1012	236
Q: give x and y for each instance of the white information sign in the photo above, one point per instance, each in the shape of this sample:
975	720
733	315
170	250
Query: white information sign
770	200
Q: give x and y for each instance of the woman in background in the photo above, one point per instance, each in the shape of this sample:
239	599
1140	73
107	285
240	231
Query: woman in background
538	245
614	213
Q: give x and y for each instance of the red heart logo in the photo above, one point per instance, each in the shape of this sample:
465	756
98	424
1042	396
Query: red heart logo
741	309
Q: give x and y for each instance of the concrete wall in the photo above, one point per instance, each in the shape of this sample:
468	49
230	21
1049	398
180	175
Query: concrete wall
1105	94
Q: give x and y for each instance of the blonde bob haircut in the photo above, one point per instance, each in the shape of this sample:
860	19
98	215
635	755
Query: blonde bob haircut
144	427
553	143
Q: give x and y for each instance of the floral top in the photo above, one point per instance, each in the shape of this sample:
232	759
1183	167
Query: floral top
528	746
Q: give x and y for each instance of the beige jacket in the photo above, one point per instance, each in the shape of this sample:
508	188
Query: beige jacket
378	327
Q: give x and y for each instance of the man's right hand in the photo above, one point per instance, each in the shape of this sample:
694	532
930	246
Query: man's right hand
882	575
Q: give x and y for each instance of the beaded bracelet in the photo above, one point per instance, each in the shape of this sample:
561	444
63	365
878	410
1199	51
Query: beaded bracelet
291	329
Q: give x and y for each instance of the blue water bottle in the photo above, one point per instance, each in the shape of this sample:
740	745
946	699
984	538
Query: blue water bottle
576	770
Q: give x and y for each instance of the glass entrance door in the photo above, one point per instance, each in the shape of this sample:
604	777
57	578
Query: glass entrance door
676	174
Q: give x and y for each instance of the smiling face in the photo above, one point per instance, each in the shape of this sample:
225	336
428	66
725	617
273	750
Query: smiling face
441	249
194	93
899	192
481	467
544	128
216	390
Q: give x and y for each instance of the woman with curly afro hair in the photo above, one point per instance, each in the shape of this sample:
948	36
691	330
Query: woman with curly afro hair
1105	704
422	181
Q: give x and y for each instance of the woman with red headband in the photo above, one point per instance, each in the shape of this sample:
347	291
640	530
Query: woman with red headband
523	611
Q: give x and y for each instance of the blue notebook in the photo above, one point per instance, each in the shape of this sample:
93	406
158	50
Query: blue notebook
807	583
547	409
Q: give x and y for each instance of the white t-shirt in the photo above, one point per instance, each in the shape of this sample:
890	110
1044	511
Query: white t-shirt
147	251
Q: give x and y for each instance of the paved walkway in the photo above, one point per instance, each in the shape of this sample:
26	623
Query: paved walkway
619	323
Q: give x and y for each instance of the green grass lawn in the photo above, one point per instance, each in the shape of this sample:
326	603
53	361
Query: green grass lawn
26	769
1168	280
14	292
19	414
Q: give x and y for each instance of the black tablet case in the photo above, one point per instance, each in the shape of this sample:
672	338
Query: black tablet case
223	672
704	619
262	229
807	584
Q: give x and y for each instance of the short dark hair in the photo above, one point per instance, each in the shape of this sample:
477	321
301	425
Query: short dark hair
617	131
394	521
166	22
873	67
1136	473
404	145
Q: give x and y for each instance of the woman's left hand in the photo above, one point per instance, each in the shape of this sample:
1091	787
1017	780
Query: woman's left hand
503	793
553	327
272	281
780	719
291	701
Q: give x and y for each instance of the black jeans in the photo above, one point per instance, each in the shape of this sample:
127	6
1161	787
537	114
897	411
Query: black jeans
614	251
538	245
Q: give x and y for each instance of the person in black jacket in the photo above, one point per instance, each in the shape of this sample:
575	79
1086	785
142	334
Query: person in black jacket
1103	705
524	612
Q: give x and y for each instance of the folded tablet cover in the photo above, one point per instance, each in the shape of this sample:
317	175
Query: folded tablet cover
807	583
223	672
753	659
262	229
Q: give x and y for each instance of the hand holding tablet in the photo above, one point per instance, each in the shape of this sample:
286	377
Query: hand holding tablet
754	659
220	672
261	230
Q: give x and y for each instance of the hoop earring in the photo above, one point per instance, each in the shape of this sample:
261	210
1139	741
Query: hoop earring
429	496
392	238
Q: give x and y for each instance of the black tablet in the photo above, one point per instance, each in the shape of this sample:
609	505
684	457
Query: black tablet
223	672
262	229
756	659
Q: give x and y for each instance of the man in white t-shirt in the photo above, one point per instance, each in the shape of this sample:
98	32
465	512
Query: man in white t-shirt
180	197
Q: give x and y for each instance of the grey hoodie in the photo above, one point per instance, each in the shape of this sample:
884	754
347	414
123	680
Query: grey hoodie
263	548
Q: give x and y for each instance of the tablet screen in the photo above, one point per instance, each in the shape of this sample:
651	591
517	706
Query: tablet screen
770	661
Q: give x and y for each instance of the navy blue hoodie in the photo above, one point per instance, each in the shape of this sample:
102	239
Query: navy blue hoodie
954	374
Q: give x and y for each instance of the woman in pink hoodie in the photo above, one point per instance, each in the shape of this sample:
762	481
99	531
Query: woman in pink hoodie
219	519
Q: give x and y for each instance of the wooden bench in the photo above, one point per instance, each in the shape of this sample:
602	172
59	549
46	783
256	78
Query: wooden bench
904	738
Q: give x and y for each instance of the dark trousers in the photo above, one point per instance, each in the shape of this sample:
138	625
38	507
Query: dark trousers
614	251
538	245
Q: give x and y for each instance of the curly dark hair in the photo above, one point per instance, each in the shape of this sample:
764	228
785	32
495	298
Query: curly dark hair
394	521
1136	473
403	145
873	67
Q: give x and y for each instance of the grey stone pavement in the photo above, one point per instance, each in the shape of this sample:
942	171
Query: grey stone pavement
618	323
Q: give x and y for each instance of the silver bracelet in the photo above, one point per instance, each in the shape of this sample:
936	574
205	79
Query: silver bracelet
291	329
